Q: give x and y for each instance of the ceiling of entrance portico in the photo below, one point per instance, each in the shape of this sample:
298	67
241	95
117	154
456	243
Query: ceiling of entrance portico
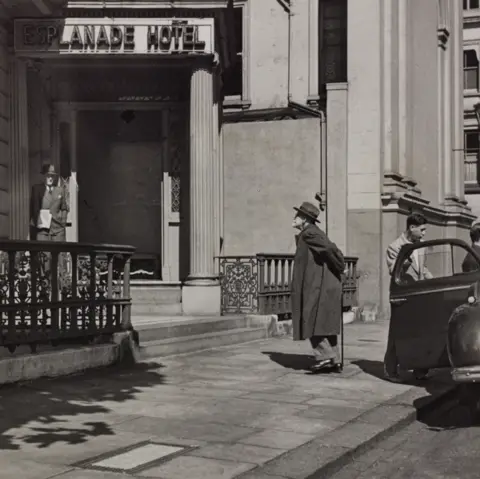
31	8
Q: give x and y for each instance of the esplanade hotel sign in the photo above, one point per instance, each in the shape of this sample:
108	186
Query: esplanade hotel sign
114	36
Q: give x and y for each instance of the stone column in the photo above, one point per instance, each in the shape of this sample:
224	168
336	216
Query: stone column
20	168
402	88
390	157
201	291
443	181
447	130
337	174
457	72
217	160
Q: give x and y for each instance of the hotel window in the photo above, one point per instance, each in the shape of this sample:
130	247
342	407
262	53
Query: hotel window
471	150
470	70
235	81
471	4
333	42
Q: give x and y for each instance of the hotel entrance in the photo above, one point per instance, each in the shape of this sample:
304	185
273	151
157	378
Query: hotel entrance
121	136
121	165
128	108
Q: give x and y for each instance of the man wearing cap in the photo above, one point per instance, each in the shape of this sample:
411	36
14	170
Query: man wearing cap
317	289
48	208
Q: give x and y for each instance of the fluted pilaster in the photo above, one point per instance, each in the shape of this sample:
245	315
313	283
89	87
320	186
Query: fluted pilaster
448	186
403	39
202	211
457	71
19	166
217	165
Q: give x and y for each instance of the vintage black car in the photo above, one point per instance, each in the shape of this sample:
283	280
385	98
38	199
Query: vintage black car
435	308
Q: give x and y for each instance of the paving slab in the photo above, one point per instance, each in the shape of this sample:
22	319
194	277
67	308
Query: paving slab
198	468
251	411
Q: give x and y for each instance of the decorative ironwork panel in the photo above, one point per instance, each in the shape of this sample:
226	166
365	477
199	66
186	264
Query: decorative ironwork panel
175	194
178	151
239	284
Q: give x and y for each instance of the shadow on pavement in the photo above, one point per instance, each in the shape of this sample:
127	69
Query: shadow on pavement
298	362
445	414
462	411
373	368
48	405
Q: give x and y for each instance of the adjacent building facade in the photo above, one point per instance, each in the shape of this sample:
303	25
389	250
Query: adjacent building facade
191	128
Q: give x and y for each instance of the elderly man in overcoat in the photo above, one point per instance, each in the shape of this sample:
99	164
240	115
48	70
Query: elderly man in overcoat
317	289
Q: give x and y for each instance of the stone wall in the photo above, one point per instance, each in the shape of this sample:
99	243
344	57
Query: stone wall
269	167
403	129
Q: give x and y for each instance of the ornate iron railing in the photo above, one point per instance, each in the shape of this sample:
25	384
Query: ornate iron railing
59	292
262	284
274	283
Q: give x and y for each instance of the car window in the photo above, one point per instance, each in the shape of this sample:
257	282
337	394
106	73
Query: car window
435	261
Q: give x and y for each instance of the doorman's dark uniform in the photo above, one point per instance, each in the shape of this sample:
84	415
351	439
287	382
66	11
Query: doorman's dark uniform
52	199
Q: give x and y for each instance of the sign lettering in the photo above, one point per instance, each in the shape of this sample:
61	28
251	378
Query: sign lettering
161	37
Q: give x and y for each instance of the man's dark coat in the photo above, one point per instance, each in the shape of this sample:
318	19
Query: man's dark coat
59	208
316	285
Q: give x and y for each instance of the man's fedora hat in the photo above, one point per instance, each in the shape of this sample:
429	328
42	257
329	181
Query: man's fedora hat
309	210
48	169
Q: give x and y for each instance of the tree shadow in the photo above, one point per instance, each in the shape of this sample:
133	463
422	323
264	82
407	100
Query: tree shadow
45	407
298	362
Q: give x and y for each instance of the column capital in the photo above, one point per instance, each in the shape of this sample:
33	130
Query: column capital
204	63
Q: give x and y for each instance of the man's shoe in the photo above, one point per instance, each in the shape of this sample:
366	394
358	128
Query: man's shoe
322	365
420	374
395	378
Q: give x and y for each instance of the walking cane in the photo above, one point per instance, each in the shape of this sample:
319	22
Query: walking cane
342	358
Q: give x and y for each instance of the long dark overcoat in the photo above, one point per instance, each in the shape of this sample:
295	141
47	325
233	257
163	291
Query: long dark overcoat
316	285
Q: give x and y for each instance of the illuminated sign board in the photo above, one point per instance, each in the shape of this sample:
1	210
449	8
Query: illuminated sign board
114	36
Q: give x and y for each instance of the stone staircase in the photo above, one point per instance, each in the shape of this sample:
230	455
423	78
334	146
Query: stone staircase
166	336
154	298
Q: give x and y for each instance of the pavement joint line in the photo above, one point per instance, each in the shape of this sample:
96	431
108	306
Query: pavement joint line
58	474
335	465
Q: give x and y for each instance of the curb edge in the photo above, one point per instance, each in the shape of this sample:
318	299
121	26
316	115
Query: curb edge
335	465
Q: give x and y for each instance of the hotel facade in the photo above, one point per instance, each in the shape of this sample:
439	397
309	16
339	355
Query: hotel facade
190	128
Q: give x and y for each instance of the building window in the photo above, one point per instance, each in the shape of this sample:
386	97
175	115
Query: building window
471	150
333	42
235	80
470	70
471	4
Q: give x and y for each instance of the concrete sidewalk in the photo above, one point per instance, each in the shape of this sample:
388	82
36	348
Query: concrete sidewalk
250	411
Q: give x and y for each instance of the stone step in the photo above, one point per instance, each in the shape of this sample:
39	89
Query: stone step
155	294
157	309
154	328
200	342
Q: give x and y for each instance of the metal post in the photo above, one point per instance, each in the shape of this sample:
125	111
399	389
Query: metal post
126	316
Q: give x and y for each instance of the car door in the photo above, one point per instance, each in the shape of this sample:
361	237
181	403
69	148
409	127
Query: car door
427	284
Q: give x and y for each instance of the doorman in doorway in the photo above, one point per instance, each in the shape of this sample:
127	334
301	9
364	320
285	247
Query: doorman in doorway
48	208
